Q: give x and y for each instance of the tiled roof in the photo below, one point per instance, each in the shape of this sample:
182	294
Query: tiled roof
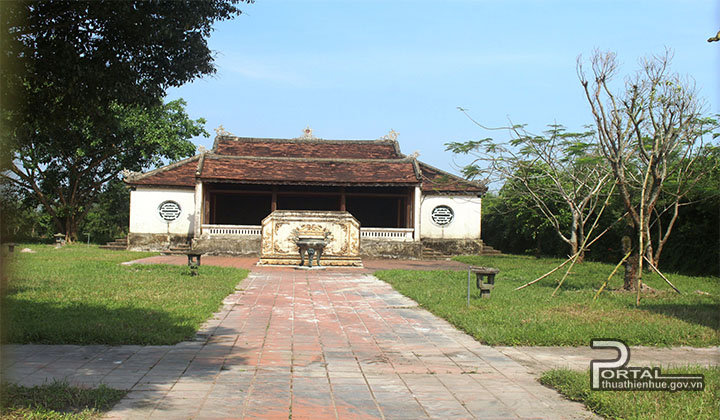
307	148
301	161
309	171
179	174
435	180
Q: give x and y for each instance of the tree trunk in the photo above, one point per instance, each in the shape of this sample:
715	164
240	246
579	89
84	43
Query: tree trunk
574	248
576	236
581	241
631	264
70	229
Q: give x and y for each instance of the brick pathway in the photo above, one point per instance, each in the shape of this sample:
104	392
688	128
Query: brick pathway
540	359
334	344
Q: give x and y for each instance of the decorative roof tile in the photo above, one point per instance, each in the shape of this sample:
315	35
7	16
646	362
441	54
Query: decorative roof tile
307	161
307	148
309	171
178	174
436	180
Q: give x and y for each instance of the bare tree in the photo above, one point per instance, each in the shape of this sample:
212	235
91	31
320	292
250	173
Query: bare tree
651	134
557	167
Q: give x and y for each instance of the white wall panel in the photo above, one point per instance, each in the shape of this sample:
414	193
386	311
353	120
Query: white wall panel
466	217
145	217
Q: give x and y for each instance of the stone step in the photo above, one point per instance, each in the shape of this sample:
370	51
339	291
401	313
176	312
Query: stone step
114	247
433	254
119	244
488	250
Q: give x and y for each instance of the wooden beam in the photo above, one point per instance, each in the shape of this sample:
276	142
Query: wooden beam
247	192
355	194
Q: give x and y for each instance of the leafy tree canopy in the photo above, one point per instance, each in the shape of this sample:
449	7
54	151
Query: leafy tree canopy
557	167
81	89
73	60
67	176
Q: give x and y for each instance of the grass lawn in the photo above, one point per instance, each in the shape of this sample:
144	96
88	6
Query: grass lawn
642	405
81	294
532	317
56	401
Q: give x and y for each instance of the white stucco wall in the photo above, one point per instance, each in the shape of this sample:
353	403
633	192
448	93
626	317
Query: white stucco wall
144	216
465	223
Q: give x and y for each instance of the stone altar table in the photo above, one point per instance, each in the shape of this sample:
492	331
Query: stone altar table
281	229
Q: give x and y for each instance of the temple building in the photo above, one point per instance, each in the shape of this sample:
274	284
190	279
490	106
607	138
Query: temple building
221	200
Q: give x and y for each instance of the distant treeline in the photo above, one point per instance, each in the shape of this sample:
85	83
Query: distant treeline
693	247
25	220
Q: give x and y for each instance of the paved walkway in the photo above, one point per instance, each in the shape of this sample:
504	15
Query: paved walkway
540	359
334	344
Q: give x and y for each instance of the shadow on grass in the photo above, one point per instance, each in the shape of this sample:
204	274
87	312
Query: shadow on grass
697	313
55	400
79	323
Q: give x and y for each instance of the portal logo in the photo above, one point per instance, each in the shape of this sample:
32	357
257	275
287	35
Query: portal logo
615	375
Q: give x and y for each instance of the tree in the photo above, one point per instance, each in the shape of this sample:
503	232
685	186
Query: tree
693	247
561	172
22	218
109	217
71	60
67	176
74	75
651	134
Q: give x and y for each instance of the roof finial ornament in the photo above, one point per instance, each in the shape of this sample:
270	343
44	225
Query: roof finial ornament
128	174
308	133
392	135
220	131
415	154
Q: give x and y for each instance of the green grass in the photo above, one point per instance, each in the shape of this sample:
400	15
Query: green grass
82	295
56	401
532	317
642	405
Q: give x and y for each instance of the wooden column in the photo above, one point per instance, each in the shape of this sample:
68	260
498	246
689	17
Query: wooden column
416	213
206	207
197	219
273	204
342	199
480	222
214	208
399	205
408	211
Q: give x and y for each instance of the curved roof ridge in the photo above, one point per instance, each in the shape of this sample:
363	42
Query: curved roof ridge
302	140
451	179
162	168
310	159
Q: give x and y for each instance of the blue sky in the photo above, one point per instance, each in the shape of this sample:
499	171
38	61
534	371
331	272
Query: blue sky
356	69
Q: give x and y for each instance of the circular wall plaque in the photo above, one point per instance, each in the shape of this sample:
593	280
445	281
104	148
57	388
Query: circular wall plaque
169	210
442	215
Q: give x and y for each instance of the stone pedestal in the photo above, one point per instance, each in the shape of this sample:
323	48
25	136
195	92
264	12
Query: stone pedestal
282	227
